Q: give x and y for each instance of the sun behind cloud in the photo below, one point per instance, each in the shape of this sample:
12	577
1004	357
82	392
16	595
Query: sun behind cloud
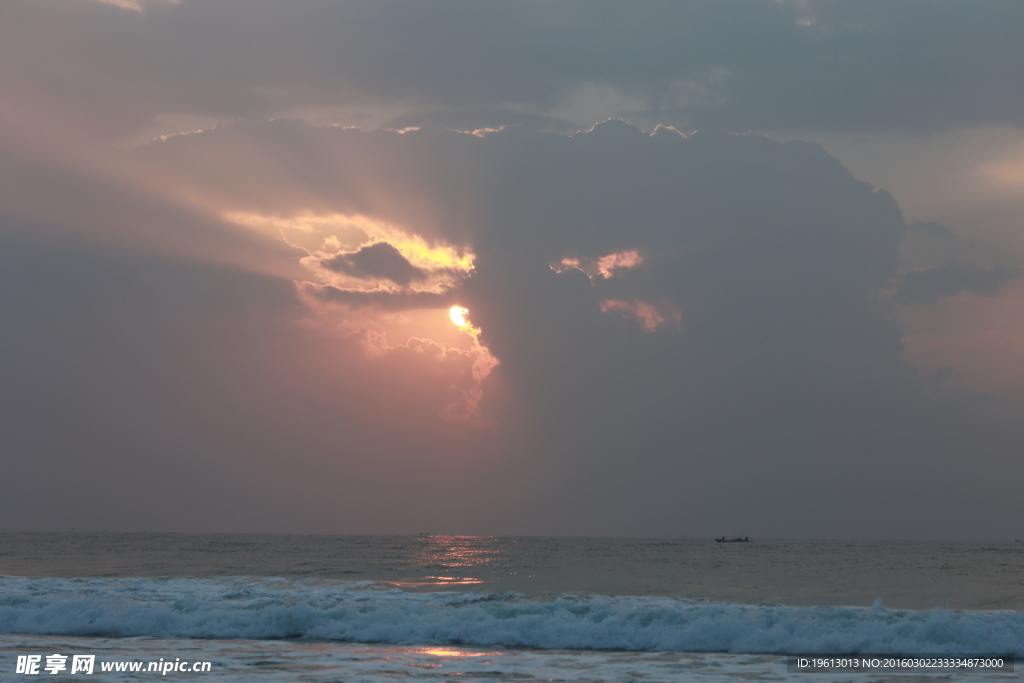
458	315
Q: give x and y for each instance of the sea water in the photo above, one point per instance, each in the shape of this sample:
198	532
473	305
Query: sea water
440	608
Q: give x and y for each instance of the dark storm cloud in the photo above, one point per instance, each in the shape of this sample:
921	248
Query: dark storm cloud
916	65
379	260
166	363
932	285
781	397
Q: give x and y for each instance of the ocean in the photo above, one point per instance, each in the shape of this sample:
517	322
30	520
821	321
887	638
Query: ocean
457	608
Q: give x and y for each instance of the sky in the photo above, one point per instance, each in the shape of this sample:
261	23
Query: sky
532	268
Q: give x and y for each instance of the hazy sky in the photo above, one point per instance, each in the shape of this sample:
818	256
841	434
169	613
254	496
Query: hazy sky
727	267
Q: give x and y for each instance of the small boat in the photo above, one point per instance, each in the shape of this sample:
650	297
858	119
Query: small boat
723	539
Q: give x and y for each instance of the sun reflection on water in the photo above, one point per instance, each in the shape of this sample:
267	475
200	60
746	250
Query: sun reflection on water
454	560
449	652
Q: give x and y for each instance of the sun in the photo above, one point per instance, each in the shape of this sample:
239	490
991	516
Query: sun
458	315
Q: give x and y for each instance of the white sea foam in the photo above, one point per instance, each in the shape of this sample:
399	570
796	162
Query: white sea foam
247	608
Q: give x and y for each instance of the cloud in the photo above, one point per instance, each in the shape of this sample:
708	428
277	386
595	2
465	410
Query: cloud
604	266
931	285
463	119
648	315
818	66
380	257
931	229
124	4
375	298
137	5
378	260
671	333
781	403
607	265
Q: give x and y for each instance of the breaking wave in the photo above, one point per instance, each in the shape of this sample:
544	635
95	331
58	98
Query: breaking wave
364	612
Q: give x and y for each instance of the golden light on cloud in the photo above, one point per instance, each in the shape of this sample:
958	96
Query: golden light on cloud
332	241
604	266
372	279
372	282
623	260
458	315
